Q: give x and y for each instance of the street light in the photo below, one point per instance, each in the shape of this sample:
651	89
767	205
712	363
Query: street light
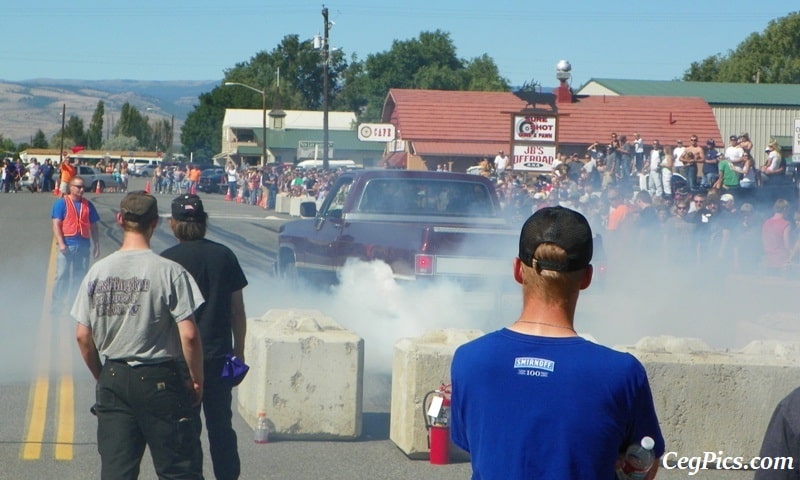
263	115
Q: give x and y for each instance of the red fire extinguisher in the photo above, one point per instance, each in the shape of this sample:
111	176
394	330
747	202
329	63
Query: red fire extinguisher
436	411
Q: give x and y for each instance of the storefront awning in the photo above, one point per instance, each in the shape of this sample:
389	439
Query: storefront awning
396	160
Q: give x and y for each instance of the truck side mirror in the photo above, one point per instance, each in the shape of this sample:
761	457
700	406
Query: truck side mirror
308	210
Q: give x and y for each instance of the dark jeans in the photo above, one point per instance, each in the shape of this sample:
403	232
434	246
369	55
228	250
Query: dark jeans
691	176
147	405
217	398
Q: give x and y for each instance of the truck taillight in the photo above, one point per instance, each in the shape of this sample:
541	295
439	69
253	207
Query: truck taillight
423	264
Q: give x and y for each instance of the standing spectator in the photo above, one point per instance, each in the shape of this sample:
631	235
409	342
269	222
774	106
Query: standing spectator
693	156
733	153
158	179
612	166
20	173
710	164
678	240
638	152
46	175
540	365
747	170
9	176
774	168
500	163
135	331
666	173
654	164
745	143
222	323
677	157
775	237
34	170
271	181
123	176
232	177
75	232
626	163
254	185
728	178
746	240
193	176
68	171
782	438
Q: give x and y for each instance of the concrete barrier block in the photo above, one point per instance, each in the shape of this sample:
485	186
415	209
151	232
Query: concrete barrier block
294	208
282	203
716	400
420	365
306	374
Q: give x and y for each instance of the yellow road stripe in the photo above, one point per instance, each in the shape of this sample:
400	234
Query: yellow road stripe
66	419
65	422
37	416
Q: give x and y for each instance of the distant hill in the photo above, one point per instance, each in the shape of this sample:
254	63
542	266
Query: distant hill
30	105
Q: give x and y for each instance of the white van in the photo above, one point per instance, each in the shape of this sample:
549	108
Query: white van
348	164
135	165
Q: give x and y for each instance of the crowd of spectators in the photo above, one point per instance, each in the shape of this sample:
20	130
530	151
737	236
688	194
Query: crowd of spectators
694	205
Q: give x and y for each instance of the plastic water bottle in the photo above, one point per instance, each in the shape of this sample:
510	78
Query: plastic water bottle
638	460
262	429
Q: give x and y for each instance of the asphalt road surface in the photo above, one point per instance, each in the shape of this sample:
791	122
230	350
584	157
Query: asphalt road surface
47	432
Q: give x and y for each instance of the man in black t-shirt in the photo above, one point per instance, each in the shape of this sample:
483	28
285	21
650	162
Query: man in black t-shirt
221	321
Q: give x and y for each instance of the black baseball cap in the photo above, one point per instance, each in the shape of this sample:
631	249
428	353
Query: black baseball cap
140	207
562	227
188	208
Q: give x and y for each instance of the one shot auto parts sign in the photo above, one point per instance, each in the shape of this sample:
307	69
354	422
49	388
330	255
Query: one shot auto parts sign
529	128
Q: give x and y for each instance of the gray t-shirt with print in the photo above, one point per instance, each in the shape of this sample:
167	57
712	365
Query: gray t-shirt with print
132	301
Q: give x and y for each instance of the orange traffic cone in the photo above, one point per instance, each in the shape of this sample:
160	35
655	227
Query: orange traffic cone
192	190
228	195
97	189
263	202
147	187
56	192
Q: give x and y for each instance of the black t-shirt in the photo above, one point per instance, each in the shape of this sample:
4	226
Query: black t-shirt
217	272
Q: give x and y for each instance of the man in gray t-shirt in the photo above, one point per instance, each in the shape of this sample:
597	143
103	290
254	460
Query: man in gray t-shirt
137	335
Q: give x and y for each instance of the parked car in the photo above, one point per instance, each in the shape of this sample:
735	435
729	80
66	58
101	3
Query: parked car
145	171
212	180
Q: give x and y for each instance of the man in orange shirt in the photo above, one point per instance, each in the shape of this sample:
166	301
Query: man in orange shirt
194	178
68	171
617	212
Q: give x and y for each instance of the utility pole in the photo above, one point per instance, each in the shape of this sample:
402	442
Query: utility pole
325	60
63	121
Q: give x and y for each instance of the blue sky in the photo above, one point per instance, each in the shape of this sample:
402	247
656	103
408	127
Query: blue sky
200	39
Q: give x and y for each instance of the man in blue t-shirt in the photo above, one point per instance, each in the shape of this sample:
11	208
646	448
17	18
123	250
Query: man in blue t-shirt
76	234
535	400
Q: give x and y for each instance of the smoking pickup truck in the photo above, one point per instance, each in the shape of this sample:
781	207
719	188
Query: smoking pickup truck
424	225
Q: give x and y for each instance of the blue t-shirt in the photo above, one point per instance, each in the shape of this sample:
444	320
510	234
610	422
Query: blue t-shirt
526	406
60	212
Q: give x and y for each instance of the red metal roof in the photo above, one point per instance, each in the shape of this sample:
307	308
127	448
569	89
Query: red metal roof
440	115
666	119
456	123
